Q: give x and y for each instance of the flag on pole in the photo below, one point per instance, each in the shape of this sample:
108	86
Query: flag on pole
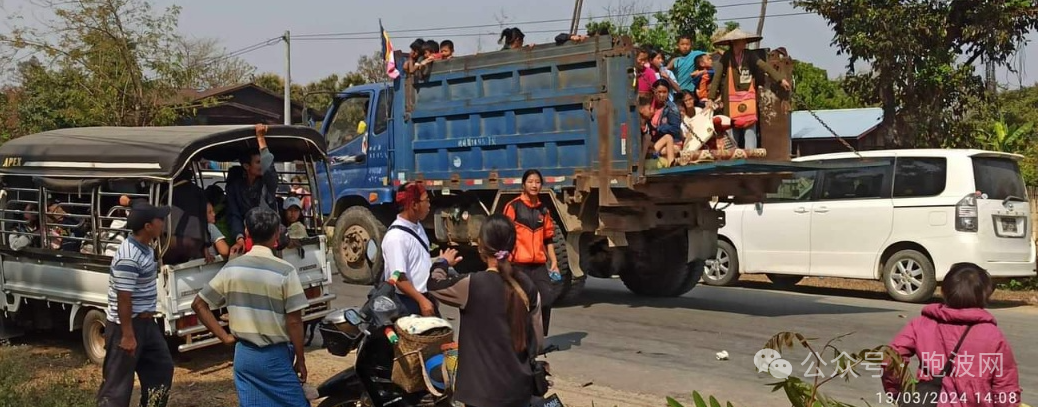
387	53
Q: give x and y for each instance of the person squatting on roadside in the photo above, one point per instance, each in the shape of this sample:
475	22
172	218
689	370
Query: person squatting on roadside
984	371
405	248
265	302
134	340
534	243
500	317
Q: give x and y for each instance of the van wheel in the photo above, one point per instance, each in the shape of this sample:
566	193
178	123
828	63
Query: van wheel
353	229
722	270
909	276
94	336
784	281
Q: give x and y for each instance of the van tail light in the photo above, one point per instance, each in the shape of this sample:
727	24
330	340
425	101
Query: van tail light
966	214
187	322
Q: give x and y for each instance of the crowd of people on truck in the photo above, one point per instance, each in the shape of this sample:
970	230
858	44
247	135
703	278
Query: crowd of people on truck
505	309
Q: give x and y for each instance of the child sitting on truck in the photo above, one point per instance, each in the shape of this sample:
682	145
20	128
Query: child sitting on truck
446	50
415	56
662	125
701	78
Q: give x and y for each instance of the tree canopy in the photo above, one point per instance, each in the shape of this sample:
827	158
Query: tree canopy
922	56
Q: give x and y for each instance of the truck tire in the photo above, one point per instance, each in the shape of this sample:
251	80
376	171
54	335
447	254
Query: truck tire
724	269
94	336
353	229
784	281
909	276
664	273
567	290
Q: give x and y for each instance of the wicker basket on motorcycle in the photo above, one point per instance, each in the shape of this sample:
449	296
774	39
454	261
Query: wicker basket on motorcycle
411	350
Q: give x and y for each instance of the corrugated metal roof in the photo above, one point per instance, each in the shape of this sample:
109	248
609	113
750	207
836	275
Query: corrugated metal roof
848	123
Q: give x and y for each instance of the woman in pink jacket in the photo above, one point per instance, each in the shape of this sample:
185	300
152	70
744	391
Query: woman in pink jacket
984	372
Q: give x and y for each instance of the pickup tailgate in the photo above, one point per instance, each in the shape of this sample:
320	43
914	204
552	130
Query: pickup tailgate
184	281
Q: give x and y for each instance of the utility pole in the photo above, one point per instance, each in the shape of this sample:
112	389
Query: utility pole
760	21
575	25
288	77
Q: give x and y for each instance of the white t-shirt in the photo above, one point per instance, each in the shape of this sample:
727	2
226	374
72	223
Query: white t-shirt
401	251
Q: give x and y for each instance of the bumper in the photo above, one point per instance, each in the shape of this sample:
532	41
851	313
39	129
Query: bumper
198	336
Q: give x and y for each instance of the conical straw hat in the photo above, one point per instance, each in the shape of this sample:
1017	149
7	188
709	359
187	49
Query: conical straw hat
737	35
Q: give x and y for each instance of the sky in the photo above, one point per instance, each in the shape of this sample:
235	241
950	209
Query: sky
473	25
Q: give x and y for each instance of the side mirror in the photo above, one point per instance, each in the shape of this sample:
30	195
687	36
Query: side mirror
362	127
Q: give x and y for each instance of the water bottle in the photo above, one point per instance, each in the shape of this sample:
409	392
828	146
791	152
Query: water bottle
555	276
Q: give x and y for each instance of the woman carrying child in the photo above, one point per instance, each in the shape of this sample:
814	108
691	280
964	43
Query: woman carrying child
961	349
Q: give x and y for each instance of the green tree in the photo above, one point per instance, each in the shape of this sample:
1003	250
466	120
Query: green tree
117	58
814	90
922	55
661	29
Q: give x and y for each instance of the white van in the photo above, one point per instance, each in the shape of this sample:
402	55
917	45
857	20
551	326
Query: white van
905	218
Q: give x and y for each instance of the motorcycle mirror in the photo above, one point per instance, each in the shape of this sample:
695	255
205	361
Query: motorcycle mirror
372	250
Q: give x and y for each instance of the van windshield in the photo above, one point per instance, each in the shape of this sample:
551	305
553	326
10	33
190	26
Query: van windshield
999	178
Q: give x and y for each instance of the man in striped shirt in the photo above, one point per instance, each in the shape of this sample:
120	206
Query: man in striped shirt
134	341
265	303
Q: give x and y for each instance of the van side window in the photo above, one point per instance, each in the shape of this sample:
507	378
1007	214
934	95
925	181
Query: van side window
856	183
919	176
795	189
348	114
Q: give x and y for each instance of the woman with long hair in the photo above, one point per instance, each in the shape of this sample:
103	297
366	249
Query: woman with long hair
534	253
500	320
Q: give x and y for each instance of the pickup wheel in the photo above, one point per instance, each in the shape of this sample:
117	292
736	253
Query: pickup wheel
724	269
94	336
663	271
353	229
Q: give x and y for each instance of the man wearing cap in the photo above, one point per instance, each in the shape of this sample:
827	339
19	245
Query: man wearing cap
405	248
134	341
737	75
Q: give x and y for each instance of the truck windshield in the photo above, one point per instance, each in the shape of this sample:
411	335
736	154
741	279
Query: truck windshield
348	113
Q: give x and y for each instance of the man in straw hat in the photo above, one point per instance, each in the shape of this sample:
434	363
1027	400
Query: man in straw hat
738	74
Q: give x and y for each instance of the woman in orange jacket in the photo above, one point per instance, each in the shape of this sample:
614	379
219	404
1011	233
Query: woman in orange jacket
534	252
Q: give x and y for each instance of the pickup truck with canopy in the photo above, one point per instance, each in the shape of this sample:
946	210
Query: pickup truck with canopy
61	219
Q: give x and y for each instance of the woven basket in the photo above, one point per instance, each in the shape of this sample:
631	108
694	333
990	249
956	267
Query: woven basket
409	353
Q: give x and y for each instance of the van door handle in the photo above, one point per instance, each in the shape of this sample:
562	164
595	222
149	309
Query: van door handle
800	210
822	209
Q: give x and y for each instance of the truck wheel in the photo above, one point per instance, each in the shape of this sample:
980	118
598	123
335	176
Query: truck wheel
724	269
567	290
353	229
94	336
909	276
784	281
663	273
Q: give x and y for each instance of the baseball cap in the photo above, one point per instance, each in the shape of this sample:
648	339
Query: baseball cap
293	201
142	213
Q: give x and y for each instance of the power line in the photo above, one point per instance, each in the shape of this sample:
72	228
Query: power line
532	22
479	34
242	51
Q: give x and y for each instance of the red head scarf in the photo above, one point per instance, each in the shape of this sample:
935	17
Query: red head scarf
410	194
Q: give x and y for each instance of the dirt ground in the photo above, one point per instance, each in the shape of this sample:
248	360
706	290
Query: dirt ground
204	378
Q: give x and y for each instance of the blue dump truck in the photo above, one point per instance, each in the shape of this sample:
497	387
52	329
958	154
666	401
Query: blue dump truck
470	126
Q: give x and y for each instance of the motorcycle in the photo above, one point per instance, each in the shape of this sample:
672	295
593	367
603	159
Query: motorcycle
369	330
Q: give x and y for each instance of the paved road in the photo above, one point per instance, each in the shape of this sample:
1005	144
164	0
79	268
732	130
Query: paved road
667	347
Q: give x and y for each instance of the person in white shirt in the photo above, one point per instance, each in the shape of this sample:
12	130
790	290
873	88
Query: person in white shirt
405	248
